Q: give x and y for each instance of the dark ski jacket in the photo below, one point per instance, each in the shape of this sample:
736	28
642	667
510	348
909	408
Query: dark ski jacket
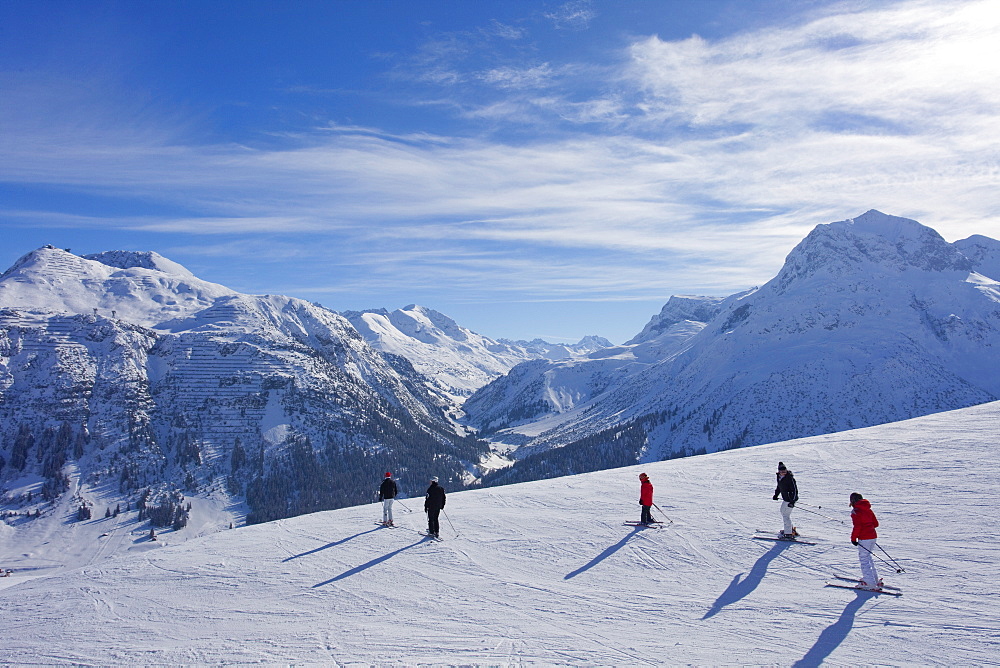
435	497
387	490
787	488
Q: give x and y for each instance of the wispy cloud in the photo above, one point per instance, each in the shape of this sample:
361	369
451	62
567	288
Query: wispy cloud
695	165
575	15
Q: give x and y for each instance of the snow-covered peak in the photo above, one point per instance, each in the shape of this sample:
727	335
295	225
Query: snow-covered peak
679	308
983	252
142	288
427	324
457	359
37	260
891	228
139	259
874	244
592	342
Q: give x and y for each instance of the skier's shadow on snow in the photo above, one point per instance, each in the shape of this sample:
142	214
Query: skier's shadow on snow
833	635
333	544
741	587
603	555
374	562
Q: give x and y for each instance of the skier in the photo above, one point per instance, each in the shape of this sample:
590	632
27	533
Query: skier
645	498
433	505
864	537
387	491
789	492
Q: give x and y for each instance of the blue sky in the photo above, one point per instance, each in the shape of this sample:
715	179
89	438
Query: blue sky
532	169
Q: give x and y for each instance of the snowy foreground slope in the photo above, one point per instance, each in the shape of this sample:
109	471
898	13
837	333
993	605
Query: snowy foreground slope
545	572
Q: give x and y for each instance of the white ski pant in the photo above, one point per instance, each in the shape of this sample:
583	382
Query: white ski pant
387	510
786	516
868	572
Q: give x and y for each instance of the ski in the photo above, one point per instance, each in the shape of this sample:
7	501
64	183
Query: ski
651	525
431	536
387	526
855	581
783	540
770	532
895	591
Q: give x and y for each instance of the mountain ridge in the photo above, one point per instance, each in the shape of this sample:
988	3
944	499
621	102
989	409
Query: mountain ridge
456	359
856	329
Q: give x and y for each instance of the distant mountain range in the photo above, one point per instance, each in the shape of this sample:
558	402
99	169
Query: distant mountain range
871	320
456	359
123	371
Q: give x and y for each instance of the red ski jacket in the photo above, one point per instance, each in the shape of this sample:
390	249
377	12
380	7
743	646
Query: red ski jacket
864	521
646	493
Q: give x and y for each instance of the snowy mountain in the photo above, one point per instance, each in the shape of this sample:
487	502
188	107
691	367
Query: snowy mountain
871	320
536	395
458	360
123	371
545	573
677	310
983	252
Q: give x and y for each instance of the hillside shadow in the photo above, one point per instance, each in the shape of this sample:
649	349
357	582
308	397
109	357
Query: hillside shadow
740	588
333	544
603	555
833	635
374	562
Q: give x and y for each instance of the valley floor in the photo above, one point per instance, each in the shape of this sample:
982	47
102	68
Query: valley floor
546	572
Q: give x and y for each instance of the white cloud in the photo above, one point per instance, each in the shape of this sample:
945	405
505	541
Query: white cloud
516	78
708	163
918	65
575	15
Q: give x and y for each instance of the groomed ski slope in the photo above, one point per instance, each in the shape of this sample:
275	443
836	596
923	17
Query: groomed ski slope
545	572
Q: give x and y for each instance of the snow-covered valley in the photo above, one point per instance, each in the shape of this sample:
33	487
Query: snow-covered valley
546	572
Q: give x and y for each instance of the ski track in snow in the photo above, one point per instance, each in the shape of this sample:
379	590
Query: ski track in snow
545	572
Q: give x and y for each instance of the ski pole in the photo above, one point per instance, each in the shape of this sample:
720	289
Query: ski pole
832	519
449	521
404	506
669	521
899	569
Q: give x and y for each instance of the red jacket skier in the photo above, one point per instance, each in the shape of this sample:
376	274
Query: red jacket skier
864	520
864	537
645	498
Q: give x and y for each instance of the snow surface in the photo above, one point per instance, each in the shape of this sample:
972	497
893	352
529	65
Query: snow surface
546	573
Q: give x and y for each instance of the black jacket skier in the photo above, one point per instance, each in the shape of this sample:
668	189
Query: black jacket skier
787	488
388	489
434	502
435	497
789	492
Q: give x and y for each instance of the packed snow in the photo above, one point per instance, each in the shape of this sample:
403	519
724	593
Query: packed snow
546	572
